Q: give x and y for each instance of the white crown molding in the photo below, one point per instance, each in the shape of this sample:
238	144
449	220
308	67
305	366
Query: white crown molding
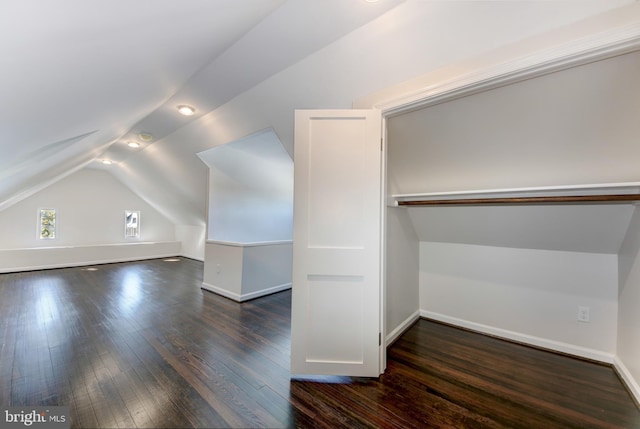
594	47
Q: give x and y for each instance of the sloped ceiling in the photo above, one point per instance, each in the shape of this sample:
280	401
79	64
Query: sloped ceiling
80	79
575	127
572	228
250	190
85	73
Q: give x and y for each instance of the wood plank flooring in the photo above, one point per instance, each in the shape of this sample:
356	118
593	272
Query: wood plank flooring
141	345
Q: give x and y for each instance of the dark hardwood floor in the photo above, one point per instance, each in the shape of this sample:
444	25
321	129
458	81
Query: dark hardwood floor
140	345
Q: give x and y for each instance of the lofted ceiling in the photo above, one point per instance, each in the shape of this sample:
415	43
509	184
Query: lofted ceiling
81	79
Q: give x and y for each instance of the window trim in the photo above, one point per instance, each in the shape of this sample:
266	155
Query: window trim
127	228
41	226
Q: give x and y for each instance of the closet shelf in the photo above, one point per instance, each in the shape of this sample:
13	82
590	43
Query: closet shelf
573	194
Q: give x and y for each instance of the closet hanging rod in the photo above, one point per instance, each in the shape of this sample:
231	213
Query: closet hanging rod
555	199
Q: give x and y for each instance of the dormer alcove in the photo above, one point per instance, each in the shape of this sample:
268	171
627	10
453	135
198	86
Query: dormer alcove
562	275
250	217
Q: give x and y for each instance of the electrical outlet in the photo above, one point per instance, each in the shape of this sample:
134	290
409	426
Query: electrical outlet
583	314
218	268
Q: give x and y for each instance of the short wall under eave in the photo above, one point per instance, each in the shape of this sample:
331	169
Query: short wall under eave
527	295
244	271
40	258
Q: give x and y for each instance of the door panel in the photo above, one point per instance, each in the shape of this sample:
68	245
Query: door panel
336	308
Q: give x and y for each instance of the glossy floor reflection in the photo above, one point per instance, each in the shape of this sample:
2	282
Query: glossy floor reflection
141	345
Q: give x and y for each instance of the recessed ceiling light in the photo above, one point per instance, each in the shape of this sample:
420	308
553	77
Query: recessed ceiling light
186	110
145	137
107	162
133	144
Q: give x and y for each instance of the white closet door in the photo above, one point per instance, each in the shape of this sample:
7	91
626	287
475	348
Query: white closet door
336	304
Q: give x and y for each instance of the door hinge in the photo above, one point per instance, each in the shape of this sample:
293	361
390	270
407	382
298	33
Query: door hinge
381	143
379	338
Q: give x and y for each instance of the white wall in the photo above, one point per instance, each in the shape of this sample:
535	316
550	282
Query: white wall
90	206
576	126
250	190
250	218
192	239
246	271
223	270
402	268
524	294
266	269
628	351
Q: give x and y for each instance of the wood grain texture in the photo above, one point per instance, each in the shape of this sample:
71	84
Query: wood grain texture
141	345
556	199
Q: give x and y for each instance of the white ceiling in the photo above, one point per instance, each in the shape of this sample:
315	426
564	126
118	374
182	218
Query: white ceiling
79	79
575	228
79	66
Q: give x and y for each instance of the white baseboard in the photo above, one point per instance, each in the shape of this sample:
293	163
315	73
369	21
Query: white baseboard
86	263
199	259
44	258
631	383
544	343
264	292
401	328
247	296
224	292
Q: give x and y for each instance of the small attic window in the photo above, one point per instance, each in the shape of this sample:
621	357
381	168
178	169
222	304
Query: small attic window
131	224
47	224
